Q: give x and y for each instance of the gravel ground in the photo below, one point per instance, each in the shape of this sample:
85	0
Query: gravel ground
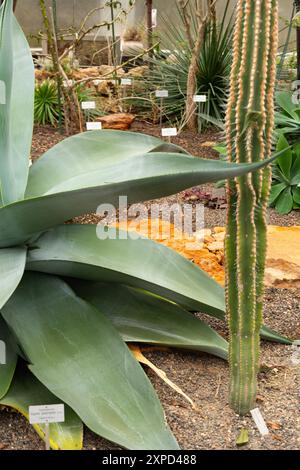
217	218
202	377
205	380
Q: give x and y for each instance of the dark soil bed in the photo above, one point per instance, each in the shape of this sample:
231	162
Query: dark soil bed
205	379
202	377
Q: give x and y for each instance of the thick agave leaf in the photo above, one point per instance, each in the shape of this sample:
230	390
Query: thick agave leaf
83	154
82	359
285	161
75	251
16	106
284	100
25	391
144	177
140	317
8	357
12	264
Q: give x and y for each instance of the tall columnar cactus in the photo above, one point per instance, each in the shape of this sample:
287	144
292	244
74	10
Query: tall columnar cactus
249	125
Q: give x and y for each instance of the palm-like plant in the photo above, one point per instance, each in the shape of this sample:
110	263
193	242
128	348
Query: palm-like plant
169	70
69	301
46	103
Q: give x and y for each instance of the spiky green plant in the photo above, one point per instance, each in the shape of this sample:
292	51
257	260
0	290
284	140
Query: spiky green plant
46	103
69	300
249	126
169	70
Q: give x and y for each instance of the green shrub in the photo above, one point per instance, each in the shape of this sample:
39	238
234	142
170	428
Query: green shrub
287	116
285	192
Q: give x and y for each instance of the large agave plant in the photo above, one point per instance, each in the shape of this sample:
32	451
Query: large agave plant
69	301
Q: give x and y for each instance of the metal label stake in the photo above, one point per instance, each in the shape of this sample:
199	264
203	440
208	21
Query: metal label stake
125	82
199	99
86	106
169	132
161	94
47	436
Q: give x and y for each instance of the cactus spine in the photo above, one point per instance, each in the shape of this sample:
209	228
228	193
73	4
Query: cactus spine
249	126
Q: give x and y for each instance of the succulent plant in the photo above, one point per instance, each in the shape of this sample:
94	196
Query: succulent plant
249	127
285	191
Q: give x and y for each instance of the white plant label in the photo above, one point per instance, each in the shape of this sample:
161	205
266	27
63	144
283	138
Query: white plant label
88	105
161	93
68	83
199	98
93	126
169	132
126	81
2	92
259	421
296	353
154	17
45	414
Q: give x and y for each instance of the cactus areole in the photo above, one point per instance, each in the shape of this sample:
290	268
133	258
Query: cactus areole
249	126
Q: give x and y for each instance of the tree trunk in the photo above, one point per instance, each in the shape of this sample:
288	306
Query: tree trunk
297	4
149	5
195	46
191	106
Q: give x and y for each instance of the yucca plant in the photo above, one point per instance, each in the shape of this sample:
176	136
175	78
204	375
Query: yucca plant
46	103
84	93
170	67
46	108
70	301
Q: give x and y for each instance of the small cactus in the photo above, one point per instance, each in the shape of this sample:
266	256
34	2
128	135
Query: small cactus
249	126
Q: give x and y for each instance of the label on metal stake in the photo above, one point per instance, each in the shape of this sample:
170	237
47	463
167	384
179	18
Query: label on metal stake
169	132
93	126
161	93
45	414
88	105
126	81
199	98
